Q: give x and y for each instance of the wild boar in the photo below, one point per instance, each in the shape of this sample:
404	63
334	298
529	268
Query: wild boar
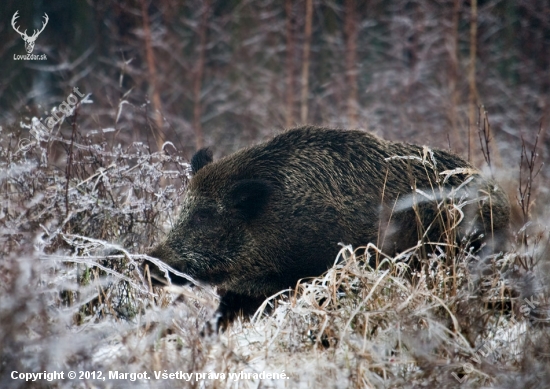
257	221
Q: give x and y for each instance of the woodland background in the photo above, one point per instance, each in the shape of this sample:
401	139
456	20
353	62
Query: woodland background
164	78
229	73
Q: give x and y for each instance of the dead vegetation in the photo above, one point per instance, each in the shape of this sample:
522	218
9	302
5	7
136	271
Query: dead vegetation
80	204
72	296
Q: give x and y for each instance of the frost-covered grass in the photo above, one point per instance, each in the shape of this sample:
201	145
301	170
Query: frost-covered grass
78	215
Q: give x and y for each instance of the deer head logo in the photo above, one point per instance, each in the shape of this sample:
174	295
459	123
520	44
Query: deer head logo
29	40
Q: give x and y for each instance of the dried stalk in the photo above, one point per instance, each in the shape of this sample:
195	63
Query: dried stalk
484	134
69	164
525	189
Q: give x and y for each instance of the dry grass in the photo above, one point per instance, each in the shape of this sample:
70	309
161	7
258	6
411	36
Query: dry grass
72	296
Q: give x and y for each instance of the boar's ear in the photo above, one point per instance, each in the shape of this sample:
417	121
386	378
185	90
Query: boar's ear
249	197
201	158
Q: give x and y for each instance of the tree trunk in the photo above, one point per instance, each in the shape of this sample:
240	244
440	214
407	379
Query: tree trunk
457	138
152	70
305	63
350	30
199	73
290	49
473	96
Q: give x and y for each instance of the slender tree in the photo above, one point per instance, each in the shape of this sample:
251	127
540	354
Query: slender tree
473	96
305	63
152	71
290	49
199	74
453	77
350	29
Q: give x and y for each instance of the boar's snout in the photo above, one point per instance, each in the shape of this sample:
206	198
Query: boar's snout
165	254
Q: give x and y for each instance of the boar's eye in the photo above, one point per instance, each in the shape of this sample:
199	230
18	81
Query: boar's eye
202	216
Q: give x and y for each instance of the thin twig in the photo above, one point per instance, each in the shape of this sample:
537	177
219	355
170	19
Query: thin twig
525	189
484	134
69	163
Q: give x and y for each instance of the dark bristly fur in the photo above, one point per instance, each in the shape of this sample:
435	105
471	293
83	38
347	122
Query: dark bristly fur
255	222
